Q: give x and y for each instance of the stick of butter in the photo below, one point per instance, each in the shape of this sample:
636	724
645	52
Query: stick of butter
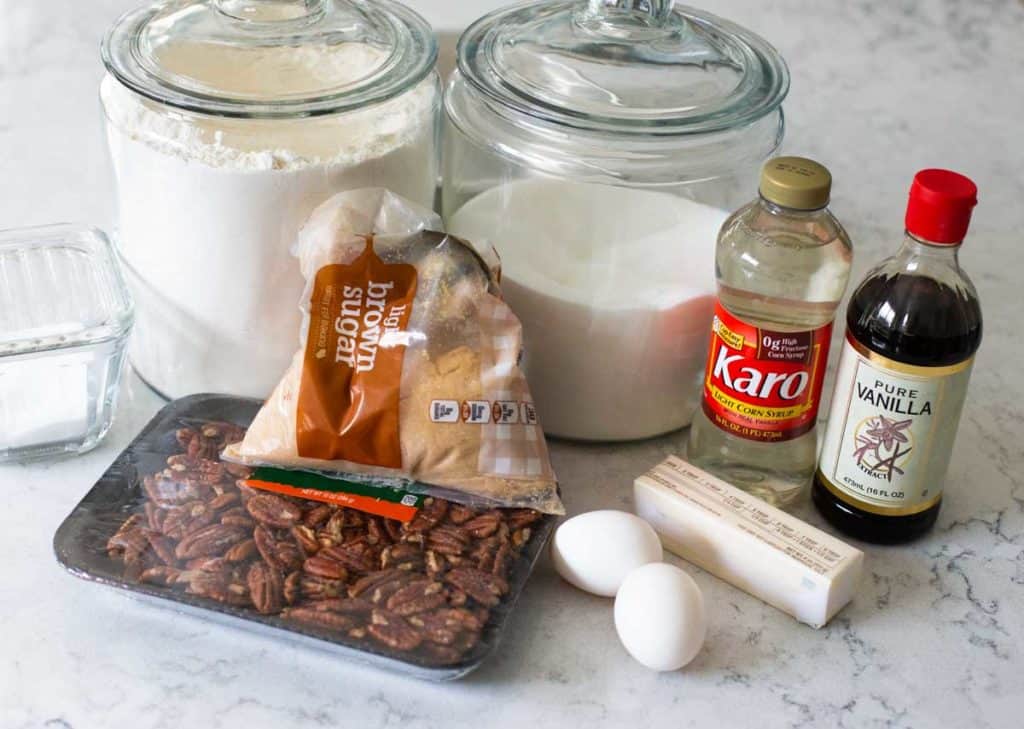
747	542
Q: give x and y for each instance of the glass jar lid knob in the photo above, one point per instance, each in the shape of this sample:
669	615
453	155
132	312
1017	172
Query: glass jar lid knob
633	17
272	11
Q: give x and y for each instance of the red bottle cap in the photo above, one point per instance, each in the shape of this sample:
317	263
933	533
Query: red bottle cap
940	206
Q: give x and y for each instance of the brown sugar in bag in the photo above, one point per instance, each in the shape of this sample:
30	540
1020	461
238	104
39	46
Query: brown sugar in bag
408	367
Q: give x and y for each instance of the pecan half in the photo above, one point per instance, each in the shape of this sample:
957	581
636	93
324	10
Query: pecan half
236	516
184	436
197	516
484	525
484	554
161	575
207	564
317	516
223	501
130	540
393	528
459	514
273	511
305	537
163	548
402	555
483	587
289	556
446	654
238	594
213	585
417	597
310	615
210	541
435	563
266	588
502	560
376	533
267	546
346	606
318	588
242	551
446	624
431	512
380	594
325	567
201	470
292	588
334	526
154	516
518	518
393	631
373	580
356	557
448	539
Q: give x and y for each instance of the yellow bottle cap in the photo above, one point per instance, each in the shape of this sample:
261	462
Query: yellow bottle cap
796	182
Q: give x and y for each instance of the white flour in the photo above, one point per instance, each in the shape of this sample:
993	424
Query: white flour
615	289
209	208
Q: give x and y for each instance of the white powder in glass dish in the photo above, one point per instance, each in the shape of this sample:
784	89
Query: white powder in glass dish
615	290
209	208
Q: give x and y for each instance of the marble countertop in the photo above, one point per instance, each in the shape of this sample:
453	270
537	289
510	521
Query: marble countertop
935	638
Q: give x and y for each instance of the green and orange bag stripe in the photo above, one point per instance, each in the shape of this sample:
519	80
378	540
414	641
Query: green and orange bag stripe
385	501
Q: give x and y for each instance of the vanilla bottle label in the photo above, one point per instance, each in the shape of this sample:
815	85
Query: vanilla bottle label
890	431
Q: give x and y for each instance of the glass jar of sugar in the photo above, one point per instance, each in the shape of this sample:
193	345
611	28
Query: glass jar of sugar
228	122
598	145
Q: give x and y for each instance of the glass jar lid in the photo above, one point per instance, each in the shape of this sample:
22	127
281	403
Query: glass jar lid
643	66
270	58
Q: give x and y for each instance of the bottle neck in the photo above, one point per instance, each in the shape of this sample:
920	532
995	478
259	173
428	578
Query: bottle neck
914	247
775	209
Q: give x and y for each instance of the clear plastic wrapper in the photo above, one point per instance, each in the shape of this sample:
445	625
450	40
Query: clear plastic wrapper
169	521
409	362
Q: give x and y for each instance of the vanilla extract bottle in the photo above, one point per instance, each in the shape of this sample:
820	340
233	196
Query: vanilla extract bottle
913	327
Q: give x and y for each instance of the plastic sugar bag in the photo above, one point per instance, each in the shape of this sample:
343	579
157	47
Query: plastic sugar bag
409	362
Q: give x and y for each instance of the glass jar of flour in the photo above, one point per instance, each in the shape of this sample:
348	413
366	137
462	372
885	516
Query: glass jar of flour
598	145
228	122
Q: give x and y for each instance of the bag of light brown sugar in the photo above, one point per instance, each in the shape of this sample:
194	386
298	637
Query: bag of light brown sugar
409	362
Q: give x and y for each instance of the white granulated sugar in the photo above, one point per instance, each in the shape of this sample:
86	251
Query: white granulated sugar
615	290
209	207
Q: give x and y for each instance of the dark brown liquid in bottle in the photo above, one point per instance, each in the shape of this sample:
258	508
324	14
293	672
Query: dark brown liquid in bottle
919	321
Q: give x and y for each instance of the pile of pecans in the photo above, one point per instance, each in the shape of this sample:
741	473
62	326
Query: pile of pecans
424	588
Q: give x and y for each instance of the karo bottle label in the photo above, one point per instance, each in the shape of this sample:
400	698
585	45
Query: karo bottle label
762	384
890	431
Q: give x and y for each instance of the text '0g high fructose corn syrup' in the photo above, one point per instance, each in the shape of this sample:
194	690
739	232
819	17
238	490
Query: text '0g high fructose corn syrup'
912	328
782	264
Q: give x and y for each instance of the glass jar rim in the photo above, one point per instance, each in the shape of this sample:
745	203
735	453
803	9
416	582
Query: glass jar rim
409	54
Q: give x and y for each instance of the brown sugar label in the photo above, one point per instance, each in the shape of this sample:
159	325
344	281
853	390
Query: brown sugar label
349	394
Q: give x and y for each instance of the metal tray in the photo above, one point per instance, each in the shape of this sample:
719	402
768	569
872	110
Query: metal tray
80	547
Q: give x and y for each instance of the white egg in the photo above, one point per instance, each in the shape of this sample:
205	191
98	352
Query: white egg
660	616
595	551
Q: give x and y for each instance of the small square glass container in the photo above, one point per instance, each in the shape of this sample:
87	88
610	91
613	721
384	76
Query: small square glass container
65	316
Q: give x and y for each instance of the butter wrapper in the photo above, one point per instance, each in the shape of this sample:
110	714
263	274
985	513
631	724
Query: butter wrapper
747	542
